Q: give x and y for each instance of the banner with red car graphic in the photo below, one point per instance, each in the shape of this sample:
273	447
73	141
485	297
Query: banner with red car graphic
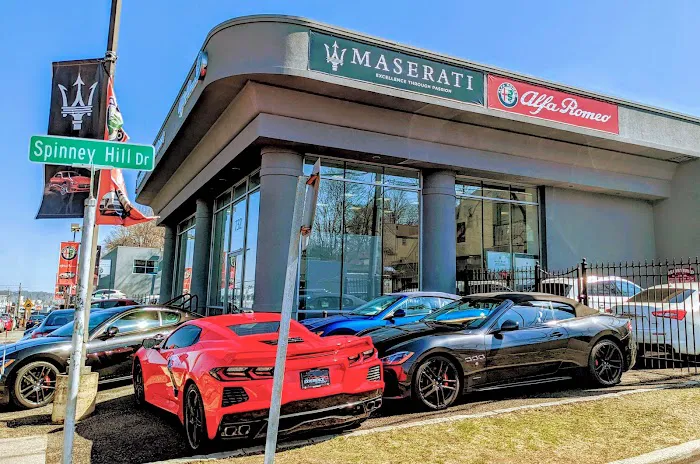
513	96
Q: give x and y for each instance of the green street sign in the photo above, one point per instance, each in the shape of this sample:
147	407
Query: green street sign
363	62
74	151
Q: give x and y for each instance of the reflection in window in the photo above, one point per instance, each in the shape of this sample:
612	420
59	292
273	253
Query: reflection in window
185	258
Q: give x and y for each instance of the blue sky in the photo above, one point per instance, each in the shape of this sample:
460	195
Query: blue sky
644	51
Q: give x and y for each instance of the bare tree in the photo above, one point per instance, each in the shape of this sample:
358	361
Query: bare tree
146	235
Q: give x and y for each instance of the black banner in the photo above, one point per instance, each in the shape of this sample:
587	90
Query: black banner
78	109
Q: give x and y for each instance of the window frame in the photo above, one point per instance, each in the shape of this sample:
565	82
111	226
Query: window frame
145	266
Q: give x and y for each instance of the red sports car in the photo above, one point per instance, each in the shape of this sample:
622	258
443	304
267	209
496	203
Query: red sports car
69	182
216	373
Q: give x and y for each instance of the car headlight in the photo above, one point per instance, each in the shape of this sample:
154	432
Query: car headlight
397	358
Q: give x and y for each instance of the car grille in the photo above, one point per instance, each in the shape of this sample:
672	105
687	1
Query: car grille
83	186
374	373
233	395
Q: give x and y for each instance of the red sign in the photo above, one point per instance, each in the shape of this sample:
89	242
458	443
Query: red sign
540	102
68	264
681	275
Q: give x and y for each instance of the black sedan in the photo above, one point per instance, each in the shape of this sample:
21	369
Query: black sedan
498	340
30	367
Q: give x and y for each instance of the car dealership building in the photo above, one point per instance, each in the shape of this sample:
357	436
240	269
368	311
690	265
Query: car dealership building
433	169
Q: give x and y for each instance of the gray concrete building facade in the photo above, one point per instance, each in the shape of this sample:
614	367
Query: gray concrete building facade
433	169
132	270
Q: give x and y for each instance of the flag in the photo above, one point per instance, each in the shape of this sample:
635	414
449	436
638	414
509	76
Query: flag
114	128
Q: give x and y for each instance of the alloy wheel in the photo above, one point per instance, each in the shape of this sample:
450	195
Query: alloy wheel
437	383
607	363
194	418
36	384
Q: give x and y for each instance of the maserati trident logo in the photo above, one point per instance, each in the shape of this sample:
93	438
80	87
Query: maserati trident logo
334	59
78	108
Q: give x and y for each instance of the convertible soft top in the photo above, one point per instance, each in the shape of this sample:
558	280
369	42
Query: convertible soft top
520	297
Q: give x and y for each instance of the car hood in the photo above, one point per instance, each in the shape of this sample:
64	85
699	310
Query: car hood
317	323
32	343
386	337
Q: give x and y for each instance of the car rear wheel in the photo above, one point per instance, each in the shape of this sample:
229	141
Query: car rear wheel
195	421
139	389
35	385
437	383
64	189
606	363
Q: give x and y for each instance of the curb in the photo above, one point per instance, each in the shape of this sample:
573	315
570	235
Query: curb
283	446
674	454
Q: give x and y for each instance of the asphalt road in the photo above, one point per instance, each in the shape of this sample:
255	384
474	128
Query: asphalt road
10	337
119	433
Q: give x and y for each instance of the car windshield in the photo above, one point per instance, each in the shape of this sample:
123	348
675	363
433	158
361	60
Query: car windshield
96	318
670	295
376	306
59	318
470	313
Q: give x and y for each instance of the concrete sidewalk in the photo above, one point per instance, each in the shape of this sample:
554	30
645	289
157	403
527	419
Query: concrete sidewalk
686	453
25	450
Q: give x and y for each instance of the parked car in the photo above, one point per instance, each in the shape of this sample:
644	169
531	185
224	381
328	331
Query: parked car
665	319
67	182
34	320
603	292
110	205
114	335
219	378
53	321
498	340
391	309
112	303
107	294
8	322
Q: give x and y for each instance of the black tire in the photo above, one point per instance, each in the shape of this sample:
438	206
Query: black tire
139	389
34	385
63	189
605	364
437	383
195	421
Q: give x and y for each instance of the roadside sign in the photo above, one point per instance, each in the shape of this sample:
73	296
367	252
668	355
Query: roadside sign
28	304
73	151
681	275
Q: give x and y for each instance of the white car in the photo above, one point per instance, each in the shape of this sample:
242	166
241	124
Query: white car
106	294
665	317
603	292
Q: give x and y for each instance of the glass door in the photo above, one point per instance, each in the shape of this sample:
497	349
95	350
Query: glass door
234	261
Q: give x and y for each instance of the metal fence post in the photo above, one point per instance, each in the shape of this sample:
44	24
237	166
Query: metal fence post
538	278
583	294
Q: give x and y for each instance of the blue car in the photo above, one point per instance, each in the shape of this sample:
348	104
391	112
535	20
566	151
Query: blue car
391	309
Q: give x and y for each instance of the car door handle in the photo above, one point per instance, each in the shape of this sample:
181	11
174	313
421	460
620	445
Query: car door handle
556	334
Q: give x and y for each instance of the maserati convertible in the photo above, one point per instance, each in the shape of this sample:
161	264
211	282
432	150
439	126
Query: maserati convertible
497	340
216	374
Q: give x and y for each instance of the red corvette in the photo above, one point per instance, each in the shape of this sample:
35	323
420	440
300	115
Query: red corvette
216	373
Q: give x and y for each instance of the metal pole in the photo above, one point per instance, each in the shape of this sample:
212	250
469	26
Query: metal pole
283	340
79	328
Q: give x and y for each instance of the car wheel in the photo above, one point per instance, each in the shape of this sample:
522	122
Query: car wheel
64	189
35	385
139	389
436	383
605	363
195	421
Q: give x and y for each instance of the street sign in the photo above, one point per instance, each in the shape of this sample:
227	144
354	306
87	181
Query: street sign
28	304
73	151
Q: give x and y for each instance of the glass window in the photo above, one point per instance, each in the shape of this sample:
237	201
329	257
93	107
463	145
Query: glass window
145	266
670	295
401	178
220	246
185	260
138	321
469	246
236	254
469	313
400	241
603	288
628	288
239	190
513	315
376	306
418	306
364	173
169	317
183	337
255	328
535	315
251	251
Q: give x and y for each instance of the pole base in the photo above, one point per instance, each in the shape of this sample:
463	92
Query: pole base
87	397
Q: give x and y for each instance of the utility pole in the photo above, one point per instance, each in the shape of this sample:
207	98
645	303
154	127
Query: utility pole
88	251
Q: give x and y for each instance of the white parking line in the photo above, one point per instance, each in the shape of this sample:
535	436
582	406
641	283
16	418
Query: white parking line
439	420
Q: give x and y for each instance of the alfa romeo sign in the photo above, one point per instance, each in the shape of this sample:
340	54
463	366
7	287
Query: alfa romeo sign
355	60
540	102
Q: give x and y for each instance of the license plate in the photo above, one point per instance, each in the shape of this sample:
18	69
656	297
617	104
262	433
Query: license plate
315	378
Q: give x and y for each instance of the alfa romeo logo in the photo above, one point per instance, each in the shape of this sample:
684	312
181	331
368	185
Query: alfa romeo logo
69	252
507	95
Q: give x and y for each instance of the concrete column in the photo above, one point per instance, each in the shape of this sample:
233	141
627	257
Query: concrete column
280	170
167	266
439	258
202	250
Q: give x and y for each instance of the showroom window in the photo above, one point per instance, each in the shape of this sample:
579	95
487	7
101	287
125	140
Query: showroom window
497	234
185	256
234	246
145	266
365	241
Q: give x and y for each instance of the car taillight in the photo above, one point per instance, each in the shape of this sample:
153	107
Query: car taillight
365	355
242	373
38	334
675	314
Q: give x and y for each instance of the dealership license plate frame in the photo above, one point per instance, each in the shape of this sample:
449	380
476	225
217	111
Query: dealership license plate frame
307	378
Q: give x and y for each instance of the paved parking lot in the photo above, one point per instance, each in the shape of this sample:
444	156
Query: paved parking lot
120	433
11	337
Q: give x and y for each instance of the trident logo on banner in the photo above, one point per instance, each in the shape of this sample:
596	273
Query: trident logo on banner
334	59
78	109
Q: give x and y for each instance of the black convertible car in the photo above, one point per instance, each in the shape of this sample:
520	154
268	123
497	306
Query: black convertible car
497	340
29	367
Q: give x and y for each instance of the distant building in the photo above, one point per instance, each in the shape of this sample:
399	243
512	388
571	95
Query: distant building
4	300
131	270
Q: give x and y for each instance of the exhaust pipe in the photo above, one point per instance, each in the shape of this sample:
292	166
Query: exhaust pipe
236	431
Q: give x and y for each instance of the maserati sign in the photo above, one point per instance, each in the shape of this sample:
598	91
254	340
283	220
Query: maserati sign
359	61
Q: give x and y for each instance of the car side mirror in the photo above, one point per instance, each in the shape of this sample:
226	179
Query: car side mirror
509	325
112	332
399	313
151	343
